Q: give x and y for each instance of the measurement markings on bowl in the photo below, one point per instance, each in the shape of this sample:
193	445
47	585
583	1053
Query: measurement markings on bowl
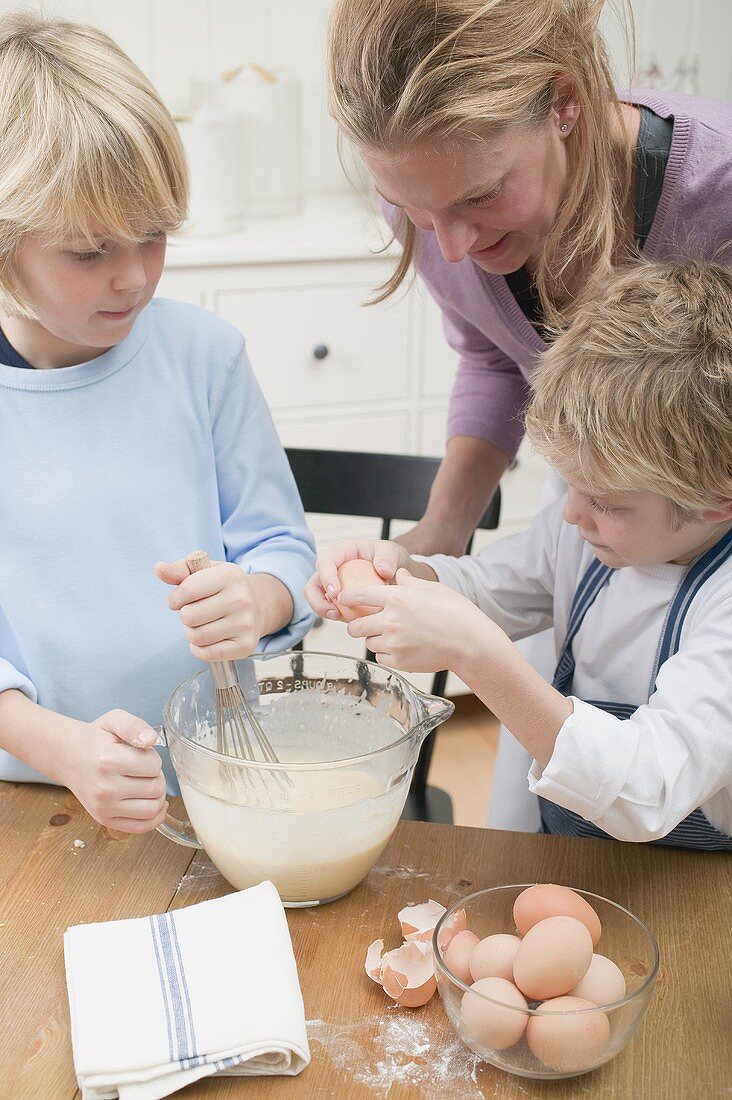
297	684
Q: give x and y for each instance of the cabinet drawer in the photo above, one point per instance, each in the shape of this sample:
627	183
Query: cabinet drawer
387	432
320	346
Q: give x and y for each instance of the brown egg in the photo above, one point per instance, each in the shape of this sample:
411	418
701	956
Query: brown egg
552	958
495	1026
548	900
567	1044
457	922
354	574
493	957
602	984
457	955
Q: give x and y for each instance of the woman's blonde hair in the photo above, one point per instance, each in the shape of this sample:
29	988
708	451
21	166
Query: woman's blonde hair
86	144
637	393
407	71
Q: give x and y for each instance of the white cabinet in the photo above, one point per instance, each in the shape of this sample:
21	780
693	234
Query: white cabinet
336	372
315	346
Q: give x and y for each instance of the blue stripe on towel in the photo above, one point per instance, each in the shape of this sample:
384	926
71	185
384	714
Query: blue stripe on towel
194	1059
175	992
228	1063
163	987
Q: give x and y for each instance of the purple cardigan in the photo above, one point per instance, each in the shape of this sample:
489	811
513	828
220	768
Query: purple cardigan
498	346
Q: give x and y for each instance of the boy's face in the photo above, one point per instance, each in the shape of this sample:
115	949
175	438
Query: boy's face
88	300
636	527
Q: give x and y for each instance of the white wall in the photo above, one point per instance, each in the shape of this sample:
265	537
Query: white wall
682	45
174	40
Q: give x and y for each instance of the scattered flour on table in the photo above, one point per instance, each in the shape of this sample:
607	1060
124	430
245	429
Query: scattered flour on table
404	1051
398	872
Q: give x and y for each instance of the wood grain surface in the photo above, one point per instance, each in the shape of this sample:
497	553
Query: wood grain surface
360	1046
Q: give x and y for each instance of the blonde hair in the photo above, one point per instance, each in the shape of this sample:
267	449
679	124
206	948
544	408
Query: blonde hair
637	393
407	71
86	144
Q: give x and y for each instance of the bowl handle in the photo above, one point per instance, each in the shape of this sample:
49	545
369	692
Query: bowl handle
180	831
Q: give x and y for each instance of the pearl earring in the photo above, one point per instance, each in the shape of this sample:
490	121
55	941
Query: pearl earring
564	127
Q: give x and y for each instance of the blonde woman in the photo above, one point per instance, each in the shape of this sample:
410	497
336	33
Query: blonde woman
631	570
131	430
515	176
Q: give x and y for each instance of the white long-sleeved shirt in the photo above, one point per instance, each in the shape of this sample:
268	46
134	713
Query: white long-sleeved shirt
160	446
635	778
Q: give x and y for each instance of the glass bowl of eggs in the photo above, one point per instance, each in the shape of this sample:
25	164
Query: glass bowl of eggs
543	981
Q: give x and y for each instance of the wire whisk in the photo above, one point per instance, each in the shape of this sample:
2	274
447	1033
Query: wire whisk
238	731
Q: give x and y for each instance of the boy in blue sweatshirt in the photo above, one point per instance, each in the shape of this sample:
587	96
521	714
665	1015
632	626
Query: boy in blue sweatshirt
132	431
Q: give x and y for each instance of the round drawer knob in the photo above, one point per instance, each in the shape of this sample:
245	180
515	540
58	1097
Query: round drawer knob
321	351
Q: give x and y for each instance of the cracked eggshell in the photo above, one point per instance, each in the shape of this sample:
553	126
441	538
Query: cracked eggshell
408	974
458	922
418	921
374	961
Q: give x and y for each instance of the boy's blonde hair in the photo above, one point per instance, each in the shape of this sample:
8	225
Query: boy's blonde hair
637	393
86	144
407	71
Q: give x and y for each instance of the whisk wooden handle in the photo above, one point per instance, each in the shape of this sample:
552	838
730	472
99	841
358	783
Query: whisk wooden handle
197	561
223	672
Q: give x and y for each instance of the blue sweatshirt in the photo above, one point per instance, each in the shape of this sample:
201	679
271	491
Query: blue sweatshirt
160	446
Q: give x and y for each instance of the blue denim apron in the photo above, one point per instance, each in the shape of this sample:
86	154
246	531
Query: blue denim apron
695	831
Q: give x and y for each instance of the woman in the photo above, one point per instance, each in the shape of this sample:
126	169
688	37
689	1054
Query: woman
516	177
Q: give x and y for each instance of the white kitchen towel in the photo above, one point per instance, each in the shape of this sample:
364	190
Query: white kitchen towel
158	1002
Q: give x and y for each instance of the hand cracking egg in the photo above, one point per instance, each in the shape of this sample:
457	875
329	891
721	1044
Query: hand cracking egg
357	573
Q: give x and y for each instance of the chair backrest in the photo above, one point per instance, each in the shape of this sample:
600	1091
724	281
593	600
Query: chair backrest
359	483
387	487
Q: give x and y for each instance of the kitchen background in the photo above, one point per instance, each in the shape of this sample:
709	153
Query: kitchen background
681	44
336	374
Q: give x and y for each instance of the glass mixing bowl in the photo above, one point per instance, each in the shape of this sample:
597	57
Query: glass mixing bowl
347	734
625	940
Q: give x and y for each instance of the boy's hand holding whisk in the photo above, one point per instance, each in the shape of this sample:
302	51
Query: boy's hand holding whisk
224	610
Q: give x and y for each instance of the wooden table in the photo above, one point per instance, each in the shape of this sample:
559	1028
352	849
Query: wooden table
361	1047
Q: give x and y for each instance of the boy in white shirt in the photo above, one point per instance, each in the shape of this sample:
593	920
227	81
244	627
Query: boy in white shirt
632	569
132	431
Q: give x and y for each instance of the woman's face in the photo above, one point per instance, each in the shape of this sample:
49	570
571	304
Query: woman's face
493	199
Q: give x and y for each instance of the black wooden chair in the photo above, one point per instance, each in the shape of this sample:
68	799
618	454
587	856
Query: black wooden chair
387	487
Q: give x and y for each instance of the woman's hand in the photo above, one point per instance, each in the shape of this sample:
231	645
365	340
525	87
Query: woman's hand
324	585
112	769
434	538
219	607
422	626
